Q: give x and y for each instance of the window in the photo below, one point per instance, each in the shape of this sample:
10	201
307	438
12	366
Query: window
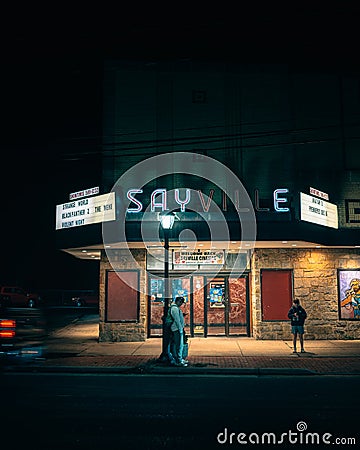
276	293
352	209
155	259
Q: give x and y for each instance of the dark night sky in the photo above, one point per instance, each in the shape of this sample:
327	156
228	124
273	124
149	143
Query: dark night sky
51	98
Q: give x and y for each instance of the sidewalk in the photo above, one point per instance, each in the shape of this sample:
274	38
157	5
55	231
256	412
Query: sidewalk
76	347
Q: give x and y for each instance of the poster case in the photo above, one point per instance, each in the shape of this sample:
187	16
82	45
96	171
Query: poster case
349	294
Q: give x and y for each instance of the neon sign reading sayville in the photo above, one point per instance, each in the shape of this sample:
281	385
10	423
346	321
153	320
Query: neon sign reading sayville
159	200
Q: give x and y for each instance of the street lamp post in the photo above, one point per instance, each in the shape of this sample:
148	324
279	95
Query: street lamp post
167	222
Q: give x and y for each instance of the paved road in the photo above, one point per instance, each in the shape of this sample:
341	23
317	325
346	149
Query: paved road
97	411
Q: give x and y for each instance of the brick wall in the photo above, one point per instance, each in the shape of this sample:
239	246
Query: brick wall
122	331
316	286
350	190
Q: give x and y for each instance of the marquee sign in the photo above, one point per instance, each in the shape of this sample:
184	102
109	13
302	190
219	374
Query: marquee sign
100	208
211	257
316	210
185	197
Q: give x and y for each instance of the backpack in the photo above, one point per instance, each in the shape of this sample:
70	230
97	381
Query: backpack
169	320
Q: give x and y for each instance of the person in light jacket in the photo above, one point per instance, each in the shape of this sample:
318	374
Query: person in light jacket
177	329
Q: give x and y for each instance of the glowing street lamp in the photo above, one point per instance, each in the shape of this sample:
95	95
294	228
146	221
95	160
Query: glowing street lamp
167	222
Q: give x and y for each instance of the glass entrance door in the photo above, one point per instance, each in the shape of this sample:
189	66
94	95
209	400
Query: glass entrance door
238	310
216	307
179	287
226	307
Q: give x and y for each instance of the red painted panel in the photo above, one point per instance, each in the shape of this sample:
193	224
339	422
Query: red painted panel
276	294
122	296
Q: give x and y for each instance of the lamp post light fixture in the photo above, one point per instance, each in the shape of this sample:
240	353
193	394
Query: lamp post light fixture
167	222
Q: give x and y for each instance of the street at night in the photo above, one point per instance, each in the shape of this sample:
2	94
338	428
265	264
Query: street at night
57	411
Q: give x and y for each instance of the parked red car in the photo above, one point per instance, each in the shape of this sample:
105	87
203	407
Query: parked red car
86	300
17	296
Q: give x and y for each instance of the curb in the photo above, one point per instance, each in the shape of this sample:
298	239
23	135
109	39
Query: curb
142	370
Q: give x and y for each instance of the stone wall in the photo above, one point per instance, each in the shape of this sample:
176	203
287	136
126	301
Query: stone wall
122	331
315	283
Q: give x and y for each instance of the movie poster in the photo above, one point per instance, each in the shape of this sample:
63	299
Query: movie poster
349	294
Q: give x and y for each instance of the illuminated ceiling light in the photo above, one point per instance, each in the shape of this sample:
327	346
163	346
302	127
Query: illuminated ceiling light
201	245
93	256
317	246
284	242
107	246
293	245
84	251
234	242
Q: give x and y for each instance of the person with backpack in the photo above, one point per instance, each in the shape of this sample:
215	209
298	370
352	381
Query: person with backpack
297	315
177	329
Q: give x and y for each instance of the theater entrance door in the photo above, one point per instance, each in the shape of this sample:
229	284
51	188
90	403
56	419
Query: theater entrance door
221	307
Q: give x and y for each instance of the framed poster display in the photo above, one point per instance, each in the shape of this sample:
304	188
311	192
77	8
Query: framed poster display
349	294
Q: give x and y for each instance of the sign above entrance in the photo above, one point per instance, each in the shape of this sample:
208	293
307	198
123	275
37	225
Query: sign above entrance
316	210
196	200
199	257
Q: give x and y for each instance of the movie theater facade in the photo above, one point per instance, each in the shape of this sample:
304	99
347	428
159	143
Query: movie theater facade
261	216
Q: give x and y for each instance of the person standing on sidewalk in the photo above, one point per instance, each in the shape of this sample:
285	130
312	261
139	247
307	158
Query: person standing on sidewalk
177	329
297	315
